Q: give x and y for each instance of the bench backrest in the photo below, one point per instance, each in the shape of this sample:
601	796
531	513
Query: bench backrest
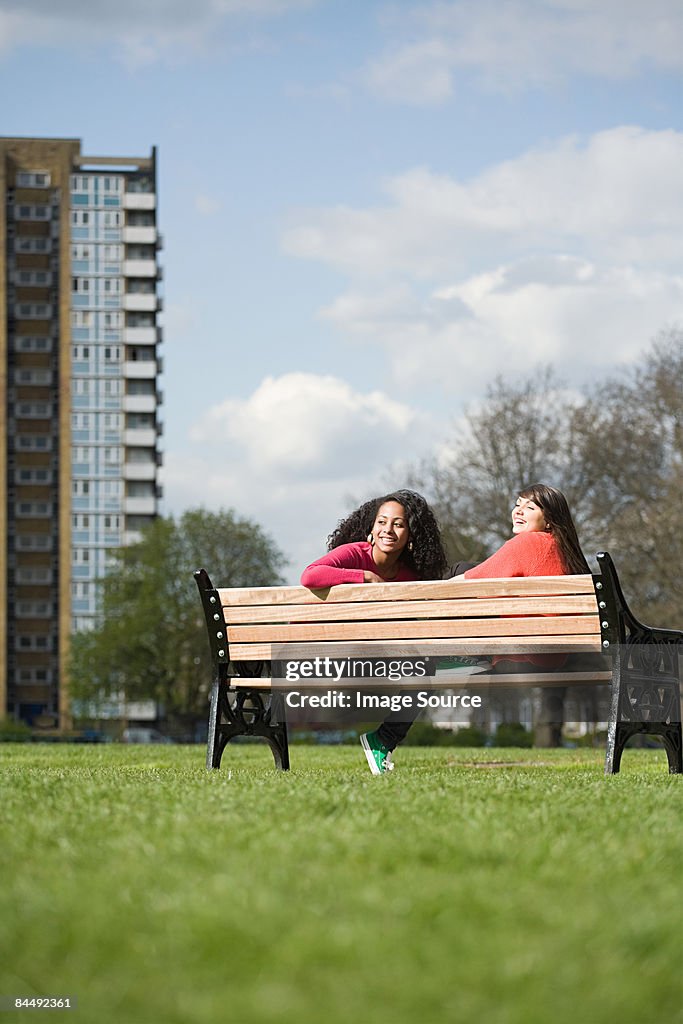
473	617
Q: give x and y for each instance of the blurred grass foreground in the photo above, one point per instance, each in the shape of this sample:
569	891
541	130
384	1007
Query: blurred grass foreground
486	886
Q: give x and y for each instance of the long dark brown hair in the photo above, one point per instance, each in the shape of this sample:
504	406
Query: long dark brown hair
555	509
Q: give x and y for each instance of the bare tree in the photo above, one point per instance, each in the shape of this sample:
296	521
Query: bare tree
616	451
521	433
631	453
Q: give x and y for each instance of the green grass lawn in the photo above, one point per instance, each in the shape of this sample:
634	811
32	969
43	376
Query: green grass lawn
483	886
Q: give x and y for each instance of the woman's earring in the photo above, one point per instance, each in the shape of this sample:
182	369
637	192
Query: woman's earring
371	539
410	545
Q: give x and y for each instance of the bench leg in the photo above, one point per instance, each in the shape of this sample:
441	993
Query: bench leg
277	727
215	742
246	715
619	735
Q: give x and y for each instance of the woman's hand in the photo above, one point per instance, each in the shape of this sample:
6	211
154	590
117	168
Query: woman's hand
371	577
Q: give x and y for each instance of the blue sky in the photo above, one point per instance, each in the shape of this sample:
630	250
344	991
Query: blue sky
370	209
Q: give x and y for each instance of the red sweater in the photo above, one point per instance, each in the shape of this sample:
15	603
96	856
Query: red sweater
346	564
525	554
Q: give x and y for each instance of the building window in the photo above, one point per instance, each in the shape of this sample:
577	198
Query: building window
32	179
27	243
34	212
33	311
36	475
32	676
33	278
33	542
37	377
34	410
33	442
33	609
33	509
31	343
34	574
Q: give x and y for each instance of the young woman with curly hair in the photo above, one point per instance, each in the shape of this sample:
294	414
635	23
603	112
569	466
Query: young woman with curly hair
392	538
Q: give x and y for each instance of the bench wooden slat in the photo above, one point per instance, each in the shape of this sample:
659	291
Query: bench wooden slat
589	642
572	604
458	682
278	633
432	590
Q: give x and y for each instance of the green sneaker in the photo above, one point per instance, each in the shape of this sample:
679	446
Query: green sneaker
378	756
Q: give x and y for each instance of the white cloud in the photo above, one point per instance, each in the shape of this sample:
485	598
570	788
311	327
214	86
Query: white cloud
570	253
143	33
301	425
295	454
522	44
620	194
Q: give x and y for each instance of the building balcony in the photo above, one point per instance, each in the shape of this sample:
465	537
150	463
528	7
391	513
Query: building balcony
140	506
144	369
143	437
146	235
141	335
140	268
139	201
139	471
142	302
139	403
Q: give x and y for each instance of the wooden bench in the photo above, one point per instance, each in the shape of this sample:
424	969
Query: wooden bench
249	627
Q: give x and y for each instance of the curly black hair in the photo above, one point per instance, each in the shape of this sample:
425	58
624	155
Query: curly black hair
427	557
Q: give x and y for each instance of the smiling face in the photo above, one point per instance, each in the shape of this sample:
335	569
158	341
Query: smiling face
390	532
527	517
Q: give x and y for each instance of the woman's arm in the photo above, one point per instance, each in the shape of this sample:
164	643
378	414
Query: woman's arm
341	565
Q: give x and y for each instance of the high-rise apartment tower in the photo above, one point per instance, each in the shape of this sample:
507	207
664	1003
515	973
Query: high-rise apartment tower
79	400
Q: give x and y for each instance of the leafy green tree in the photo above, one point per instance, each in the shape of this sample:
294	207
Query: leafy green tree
150	640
